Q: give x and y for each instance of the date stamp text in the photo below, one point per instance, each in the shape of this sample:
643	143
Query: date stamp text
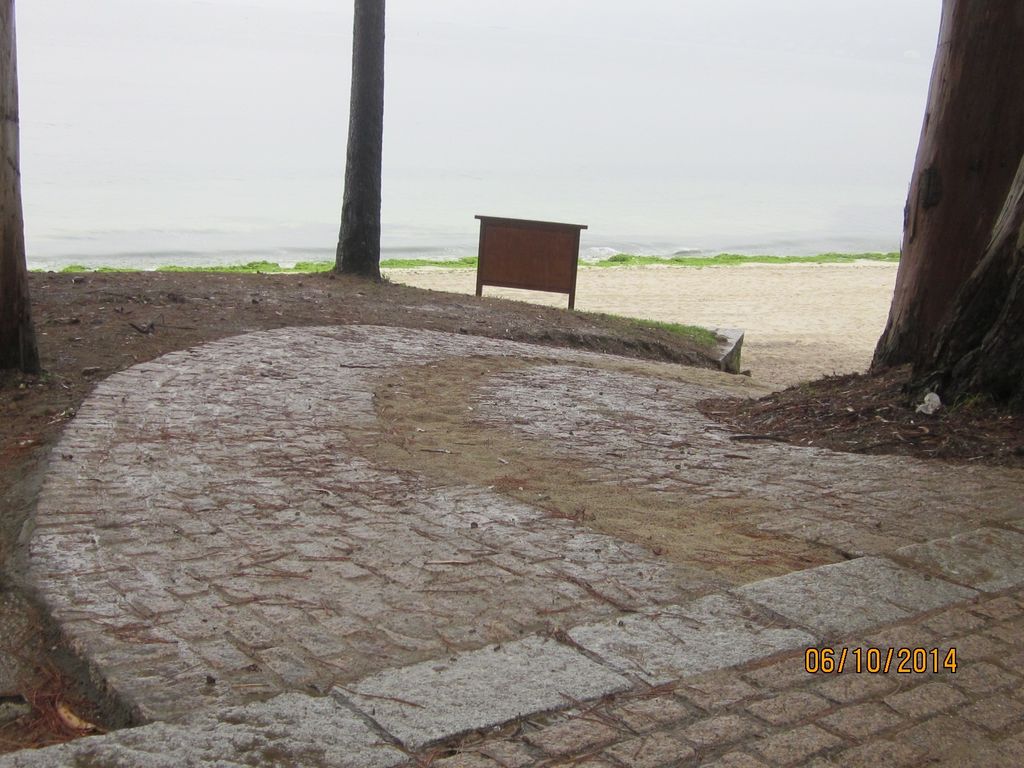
902	661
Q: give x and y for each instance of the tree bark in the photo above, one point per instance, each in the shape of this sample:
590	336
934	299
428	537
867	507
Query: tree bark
359	238
971	142
17	337
979	350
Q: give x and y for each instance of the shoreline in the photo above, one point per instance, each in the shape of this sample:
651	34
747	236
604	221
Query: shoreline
865	263
470	262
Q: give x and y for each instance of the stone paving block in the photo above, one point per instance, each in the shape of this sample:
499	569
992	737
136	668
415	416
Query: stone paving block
796	745
924	700
717	690
1004	607
646	714
983	677
971	648
995	713
850	538
438	699
710	633
954	621
735	760
1014	661
716	731
1011	750
852	596
291	729
573	736
877	753
912	635
509	754
988	559
862	720
789	708
1009	632
850	687
653	751
790	672
941	736
466	760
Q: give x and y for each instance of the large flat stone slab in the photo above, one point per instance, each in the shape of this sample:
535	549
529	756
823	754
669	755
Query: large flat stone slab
854	595
711	633
424	703
291	729
854	539
989	559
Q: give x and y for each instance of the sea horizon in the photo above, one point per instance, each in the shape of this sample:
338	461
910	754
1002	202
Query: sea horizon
152	250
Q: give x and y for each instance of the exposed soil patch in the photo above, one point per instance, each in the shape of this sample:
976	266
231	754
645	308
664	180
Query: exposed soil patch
430	427
871	413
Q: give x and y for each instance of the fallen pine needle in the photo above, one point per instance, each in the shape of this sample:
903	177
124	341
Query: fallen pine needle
451	562
385	698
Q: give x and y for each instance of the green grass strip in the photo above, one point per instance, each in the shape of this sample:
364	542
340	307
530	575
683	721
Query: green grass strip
702	336
248	268
469	262
732	259
465	262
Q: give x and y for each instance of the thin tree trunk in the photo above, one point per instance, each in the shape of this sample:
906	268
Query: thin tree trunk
359	238
971	141
17	337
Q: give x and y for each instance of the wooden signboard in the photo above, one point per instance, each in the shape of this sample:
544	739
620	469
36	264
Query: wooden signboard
535	255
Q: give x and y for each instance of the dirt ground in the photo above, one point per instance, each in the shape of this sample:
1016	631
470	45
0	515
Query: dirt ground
671	524
90	326
862	413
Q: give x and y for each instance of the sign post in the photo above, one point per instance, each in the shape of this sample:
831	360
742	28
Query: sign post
533	255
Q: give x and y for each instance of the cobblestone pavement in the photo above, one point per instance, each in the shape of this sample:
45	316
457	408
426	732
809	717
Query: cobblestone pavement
774	713
217	529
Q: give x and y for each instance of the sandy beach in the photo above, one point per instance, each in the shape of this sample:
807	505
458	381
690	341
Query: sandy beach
802	321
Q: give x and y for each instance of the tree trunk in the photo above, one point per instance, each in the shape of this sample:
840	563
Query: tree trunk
979	350
17	337
359	238
971	142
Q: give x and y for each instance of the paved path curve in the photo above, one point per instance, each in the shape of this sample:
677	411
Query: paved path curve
227	524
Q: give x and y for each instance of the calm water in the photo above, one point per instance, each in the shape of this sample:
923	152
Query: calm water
187	131
132	225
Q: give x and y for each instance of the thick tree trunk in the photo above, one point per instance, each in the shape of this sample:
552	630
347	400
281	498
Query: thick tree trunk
972	139
980	348
359	239
17	337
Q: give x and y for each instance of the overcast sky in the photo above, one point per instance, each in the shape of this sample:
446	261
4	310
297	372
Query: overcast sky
654	117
